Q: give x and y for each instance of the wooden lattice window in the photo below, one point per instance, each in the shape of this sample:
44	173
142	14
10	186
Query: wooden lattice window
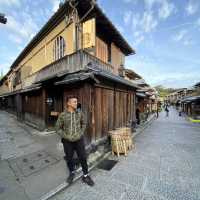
17	78
59	48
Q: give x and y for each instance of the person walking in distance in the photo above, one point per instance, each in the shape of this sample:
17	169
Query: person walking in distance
167	110
138	116
158	109
157	112
70	126
180	110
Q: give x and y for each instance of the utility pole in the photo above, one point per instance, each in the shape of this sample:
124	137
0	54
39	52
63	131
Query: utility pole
3	19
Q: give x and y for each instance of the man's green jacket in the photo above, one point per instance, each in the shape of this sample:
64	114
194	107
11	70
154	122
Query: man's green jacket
71	125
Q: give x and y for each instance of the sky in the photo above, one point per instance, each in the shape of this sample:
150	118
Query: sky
164	34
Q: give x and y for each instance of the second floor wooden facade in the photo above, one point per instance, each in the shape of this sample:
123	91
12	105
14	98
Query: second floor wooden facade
57	47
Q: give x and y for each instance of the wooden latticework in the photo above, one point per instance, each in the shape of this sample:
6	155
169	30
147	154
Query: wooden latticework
121	141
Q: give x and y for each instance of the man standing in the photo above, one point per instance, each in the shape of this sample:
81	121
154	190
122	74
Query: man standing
71	125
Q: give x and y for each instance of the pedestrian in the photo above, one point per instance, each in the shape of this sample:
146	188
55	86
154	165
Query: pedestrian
167	111
158	106
157	112
138	116
180	110
70	126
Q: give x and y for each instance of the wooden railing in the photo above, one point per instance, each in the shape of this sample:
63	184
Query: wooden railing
97	62
72	63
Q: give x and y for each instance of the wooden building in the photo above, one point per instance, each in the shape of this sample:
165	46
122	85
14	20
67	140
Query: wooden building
146	96
191	106
76	52
191	102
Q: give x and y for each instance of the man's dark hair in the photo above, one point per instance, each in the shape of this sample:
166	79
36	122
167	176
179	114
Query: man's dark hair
71	97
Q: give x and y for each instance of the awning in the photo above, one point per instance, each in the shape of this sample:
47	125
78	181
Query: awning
152	97
148	93
115	78
27	89
139	94
93	74
76	77
9	94
190	99
31	88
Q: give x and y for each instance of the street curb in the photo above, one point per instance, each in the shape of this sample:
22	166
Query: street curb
194	120
65	185
144	126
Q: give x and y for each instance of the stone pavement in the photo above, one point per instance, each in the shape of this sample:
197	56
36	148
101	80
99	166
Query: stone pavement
31	164
165	166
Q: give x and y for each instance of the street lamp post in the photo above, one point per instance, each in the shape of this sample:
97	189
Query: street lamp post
3	19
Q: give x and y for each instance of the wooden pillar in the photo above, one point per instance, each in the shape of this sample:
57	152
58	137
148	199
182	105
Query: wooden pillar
88	103
19	106
134	107
114	105
44	107
93	123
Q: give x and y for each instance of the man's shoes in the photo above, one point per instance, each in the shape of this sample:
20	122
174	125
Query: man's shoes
87	179
70	178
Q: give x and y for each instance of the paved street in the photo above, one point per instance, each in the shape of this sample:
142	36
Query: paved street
165	165
27	158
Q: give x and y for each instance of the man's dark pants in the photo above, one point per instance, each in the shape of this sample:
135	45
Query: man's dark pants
79	148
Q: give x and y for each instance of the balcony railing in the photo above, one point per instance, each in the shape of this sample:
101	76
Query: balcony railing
97	62
72	63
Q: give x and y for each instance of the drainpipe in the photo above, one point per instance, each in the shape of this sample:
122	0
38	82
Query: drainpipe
79	27
74	11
